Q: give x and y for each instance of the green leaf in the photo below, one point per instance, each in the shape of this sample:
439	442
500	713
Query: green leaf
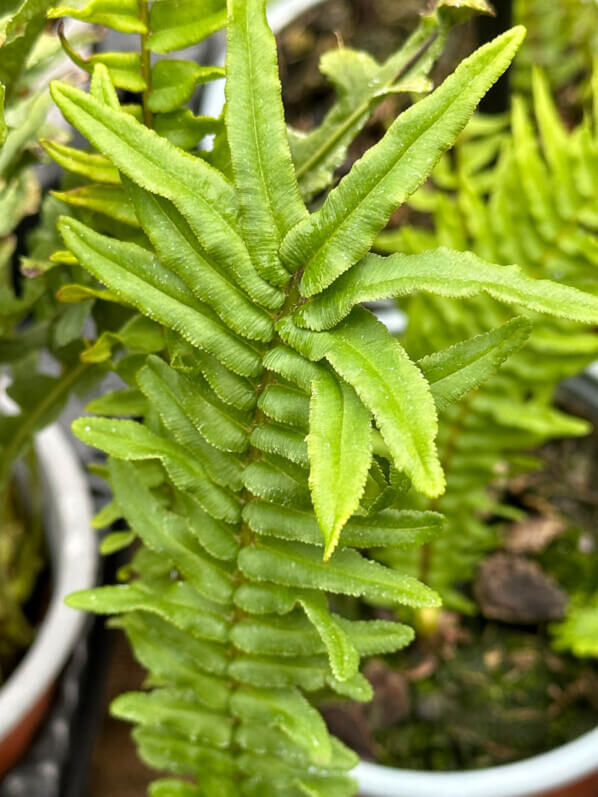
277	480
162	749
131	441
166	533
229	387
174	81
264	175
282	441
444	272
578	633
344	658
291	366
289	711
454	372
365	354
124	68
177	788
176	709
185	130
187	409
394	527
339	446
202	195
347	573
532	416
297	635
178	603
140	280
360	83
341	232
173	656
88	164
110	200
285	405
18	35
180	251
121	15
177	24
119	402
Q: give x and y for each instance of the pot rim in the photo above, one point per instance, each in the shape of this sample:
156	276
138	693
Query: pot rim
73	547
559	767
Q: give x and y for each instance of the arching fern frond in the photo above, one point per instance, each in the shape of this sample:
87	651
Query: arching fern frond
270	456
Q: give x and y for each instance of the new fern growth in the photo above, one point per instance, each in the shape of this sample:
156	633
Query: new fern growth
281	423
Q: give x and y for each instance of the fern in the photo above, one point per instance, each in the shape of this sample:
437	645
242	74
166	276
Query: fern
274	447
524	194
562	42
98	198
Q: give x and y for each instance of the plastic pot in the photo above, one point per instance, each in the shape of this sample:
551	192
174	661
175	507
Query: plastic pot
26	695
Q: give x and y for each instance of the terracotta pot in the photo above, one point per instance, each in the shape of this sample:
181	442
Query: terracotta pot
26	695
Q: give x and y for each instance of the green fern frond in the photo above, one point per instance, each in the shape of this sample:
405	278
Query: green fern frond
279	454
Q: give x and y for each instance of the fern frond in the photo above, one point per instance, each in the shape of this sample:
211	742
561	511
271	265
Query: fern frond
284	453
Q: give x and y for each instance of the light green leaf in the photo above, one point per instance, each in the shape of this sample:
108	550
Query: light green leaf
394	527
131	441
88	164
360	83
174	657
342	231
289	711
139	279
176	709
177	24
261	160
174	81
347	573
344	658
121	15
445	272
202	195
165	532
180	251
110	200
339	447
454	372
365	354
178	603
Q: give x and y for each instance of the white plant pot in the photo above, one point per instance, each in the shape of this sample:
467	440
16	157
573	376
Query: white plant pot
67	513
542	774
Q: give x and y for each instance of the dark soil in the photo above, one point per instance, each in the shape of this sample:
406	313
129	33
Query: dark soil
479	692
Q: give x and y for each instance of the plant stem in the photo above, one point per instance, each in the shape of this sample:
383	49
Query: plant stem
146	65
